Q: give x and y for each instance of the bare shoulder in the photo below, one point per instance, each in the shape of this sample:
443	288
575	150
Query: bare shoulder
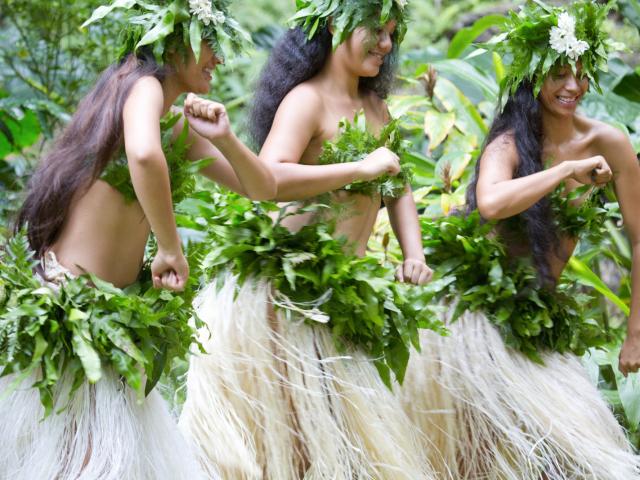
148	87
502	149
612	143
305	96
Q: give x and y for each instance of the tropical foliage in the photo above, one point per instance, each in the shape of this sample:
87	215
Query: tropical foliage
445	100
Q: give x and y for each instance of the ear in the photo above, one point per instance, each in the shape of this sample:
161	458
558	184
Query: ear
330	25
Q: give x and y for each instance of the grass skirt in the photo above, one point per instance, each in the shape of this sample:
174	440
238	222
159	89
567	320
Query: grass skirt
492	413
273	399
103	434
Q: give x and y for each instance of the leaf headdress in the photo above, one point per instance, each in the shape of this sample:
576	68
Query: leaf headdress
176	23
347	15
540	37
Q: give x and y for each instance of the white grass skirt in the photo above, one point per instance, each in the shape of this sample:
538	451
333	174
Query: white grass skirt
104	434
494	414
273	399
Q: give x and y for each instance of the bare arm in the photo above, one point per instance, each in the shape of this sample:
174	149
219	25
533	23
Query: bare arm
236	166
150	179
403	216
499	195
295	125
619	153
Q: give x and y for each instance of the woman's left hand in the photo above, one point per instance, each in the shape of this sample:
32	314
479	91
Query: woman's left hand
208	119
414	271
630	355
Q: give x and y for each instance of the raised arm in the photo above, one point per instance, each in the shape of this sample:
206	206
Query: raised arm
626	173
150	179
499	195
235	166
295	125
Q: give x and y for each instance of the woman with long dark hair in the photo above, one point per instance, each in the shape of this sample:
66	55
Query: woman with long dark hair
91	205
491	411
304	408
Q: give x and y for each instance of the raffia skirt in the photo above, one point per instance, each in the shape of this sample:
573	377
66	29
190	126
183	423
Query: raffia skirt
273	398
491	413
102	433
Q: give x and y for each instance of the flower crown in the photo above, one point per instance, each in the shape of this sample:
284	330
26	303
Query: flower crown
347	15
540	37
181	23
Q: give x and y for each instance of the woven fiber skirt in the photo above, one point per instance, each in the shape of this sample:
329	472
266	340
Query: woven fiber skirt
491	413
273	399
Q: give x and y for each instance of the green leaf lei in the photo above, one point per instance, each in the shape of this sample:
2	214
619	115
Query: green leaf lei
476	271
181	171
163	24
355	142
365	307
583	212
85	325
527	39
347	15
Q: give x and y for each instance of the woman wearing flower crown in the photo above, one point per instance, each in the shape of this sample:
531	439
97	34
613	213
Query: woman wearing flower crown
304	408
91	205
491	411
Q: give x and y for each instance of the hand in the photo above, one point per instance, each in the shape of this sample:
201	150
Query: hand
630	355
378	162
414	271
208	119
169	270
593	170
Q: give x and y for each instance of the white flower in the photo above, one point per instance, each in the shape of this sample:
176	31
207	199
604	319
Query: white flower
202	9
576	48
218	17
567	23
401	3
563	38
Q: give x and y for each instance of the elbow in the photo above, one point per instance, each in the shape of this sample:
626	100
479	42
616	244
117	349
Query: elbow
144	157
264	193
490	210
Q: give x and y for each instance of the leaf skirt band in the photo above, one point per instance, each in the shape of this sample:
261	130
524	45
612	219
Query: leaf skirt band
100	431
273	398
493	413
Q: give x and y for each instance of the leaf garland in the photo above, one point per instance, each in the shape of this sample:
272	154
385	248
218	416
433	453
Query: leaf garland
182	171
347	15
526	39
355	297
84	325
476	271
583	211
355	142
163	24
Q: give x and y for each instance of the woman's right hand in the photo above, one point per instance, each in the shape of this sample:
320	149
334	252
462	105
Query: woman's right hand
593	170
169	270
379	162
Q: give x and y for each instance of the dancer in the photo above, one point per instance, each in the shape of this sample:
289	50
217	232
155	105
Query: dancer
491	410
79	354
295	405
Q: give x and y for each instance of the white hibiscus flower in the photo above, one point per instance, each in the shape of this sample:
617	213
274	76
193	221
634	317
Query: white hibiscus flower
563	38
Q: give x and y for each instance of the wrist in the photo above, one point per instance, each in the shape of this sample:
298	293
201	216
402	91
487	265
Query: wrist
225	141
172	246
567	169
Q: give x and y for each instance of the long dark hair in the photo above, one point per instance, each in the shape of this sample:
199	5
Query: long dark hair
521	119
294	60
82	150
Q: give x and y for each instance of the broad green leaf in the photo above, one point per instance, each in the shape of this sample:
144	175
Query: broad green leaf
467	35
105	10
588	277
437	126
468	120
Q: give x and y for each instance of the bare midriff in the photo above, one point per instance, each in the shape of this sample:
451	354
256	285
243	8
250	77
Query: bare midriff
103	235
355	216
